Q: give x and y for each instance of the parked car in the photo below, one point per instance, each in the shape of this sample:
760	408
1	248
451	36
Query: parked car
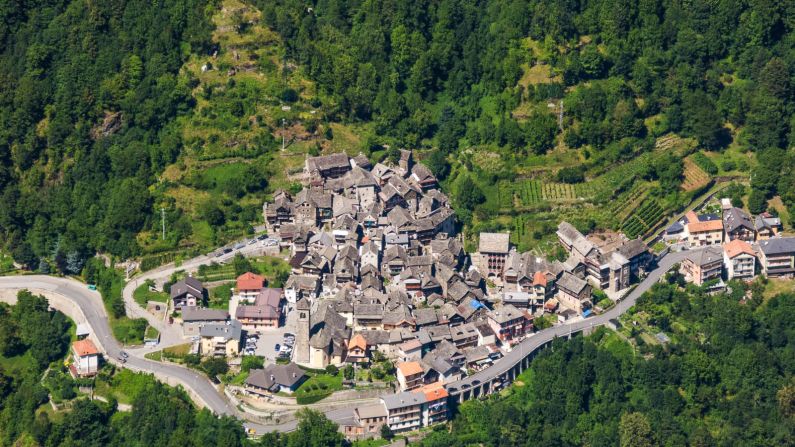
239	245
288	335
122	359
277	347
285	349
124	354
227	250
262	237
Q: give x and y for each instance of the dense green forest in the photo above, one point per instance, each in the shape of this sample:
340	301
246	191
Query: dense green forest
34	339
92	96
449	69
92	93
725	379
89	90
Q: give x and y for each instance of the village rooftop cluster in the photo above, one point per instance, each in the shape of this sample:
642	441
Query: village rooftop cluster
377	265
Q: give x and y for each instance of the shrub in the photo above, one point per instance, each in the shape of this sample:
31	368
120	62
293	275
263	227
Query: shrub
215	366
570	175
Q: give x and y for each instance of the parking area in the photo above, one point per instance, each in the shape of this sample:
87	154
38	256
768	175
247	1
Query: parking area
265	344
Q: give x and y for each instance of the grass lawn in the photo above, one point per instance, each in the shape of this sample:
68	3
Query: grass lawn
776	286
617	345
16	365
370	443
151	333
177	350
171	352
142	294
268	266
238	379
128	331
318	387
52	415
220	295
125	385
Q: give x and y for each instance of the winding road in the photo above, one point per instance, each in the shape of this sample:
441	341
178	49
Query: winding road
84	305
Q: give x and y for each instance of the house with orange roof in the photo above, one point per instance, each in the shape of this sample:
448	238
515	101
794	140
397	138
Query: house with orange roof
249	286
703	230
85	358
357	350
435	407
410	375
739	258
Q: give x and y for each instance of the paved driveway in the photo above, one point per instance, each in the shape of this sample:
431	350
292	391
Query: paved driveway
271	337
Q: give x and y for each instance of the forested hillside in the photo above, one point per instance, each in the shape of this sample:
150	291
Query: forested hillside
725	378
89	92
484	83
609	114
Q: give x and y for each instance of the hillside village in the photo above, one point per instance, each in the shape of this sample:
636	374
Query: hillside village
378	269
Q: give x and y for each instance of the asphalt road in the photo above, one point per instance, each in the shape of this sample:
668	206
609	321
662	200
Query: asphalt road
170	334
90	302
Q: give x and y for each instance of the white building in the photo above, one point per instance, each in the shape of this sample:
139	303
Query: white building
740	260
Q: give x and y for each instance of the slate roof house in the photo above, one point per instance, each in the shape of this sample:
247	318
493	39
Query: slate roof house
193	318
275	378
574	293
777	256
187	292
328	166
264	313
703	266
767	226
221	340
494	247
738	225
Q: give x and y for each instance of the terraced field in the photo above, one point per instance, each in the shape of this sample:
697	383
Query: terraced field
695	176
529	192
643	219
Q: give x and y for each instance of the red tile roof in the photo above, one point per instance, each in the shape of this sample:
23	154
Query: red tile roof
358	341
410	368
433	391
737	247
539	279
707	225
85	347
250	281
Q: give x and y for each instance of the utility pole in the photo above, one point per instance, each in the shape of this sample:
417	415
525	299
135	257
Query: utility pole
163	221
